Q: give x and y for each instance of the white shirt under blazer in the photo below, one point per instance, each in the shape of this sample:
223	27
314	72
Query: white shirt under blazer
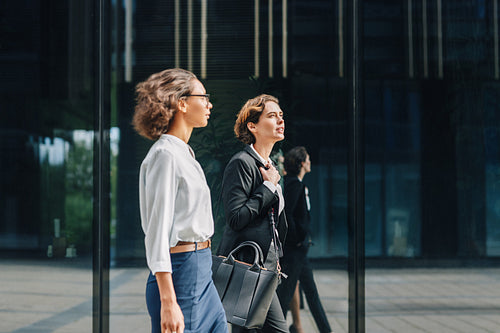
174	200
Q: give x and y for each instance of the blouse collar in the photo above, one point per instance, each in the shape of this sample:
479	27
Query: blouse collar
264	162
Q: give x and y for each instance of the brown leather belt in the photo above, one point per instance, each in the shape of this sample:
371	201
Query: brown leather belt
190	246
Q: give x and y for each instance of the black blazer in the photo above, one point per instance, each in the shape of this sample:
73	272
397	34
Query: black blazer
297	214
247	202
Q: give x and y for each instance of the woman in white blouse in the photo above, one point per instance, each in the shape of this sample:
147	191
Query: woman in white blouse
176	213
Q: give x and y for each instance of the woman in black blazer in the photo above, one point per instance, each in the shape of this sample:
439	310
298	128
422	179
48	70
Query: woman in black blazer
251	193
295	262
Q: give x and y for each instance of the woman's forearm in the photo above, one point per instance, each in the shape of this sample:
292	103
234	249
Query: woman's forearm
172	318
166	287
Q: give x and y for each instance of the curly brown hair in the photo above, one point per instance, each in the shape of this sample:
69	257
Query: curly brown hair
250	113
157	99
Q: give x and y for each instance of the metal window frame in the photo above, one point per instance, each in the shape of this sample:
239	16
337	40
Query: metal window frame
102	117
356	174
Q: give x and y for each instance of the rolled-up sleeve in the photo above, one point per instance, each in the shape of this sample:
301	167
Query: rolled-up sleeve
270	186
157	200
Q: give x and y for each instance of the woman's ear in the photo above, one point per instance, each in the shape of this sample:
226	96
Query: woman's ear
182	105
251	127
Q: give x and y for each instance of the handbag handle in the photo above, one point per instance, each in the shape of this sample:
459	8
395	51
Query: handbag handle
258	257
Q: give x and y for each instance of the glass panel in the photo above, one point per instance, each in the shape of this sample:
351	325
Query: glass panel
304	69
46	182
431	107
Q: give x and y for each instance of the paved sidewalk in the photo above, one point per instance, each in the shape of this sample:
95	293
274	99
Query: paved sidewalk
48	297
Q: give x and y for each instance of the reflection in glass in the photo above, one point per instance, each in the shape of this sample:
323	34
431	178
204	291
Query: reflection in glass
432	159
46	166
173	34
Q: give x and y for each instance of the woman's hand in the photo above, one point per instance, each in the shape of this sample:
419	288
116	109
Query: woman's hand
270	174
172	319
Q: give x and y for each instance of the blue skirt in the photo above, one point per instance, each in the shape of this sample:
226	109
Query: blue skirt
195	291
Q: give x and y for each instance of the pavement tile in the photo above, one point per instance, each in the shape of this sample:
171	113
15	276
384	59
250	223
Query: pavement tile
56	297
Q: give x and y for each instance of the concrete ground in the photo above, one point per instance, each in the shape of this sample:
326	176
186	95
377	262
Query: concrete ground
55	296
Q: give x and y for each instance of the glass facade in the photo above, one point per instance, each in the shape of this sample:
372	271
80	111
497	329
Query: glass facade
431	95
431	104
397	102
47	165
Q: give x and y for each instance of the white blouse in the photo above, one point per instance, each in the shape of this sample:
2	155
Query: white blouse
174	200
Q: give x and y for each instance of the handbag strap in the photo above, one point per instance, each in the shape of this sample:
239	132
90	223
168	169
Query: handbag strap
278	247
246	293
277	243
258	255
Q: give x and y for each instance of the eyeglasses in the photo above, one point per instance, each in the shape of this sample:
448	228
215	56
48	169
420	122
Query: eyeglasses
206	96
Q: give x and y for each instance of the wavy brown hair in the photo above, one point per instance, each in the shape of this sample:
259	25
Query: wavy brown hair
250	113
157	99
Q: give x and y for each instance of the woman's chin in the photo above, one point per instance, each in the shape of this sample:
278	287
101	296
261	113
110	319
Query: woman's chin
204	124
278	138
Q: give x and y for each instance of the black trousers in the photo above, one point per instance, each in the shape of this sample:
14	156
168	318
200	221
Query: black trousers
296	264
275	321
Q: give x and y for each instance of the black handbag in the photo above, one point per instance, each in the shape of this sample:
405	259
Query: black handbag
245	289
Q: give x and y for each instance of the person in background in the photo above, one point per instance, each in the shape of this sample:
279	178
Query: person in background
175	206
295	262
251	193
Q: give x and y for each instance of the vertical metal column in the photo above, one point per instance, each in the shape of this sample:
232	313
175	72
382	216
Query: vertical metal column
204	35
270	39
424	39
410	40
495	39
256	39
340	34
440	37
356	191
128	40
284	45
190	34
177	33
101	209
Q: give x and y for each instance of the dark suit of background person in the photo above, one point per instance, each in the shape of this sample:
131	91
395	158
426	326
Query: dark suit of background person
295	262
248	198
